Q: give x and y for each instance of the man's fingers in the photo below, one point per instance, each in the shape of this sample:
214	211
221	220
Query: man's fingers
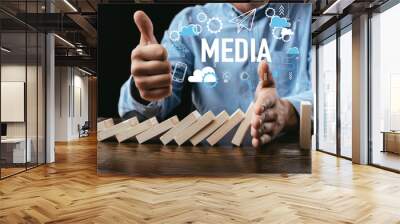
257	120
265	128
258	142
256	132
145	26
267	116
265	139
156	94
263	103
270	115
146	68
153	81
149	53
265	76
268	127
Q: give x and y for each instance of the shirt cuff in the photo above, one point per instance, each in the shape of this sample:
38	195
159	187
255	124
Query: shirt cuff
150	110
296	102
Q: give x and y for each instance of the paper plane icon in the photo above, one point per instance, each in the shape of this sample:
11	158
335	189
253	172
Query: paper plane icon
245	20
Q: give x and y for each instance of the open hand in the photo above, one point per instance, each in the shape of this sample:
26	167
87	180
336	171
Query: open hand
271	114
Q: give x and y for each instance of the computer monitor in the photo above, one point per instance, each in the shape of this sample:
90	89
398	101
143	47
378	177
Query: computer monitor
3	129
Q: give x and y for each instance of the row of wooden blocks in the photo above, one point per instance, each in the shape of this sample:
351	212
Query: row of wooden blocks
194	128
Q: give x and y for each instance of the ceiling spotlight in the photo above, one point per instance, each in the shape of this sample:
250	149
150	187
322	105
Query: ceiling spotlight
337	7
70	5
5	50
65	41
84	71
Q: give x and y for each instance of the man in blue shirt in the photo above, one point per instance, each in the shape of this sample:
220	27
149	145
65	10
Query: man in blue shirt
232	55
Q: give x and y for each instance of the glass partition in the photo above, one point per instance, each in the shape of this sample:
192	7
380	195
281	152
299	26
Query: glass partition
15	151
327	96
385	89
22	88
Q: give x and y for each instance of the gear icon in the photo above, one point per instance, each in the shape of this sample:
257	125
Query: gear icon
174	35
214	25
244	76
283	34
286	34
270	12
201	17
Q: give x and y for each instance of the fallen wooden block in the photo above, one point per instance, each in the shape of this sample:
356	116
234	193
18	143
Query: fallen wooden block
104	124
305	125
233	120
108	132
197	126
157	129
209	129
137	129
180	127
243	127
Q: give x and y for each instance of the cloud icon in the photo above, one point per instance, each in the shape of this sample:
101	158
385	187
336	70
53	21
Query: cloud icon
293	51
190	30
206	75
277	21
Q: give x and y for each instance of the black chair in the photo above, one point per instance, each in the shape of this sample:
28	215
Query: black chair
84	130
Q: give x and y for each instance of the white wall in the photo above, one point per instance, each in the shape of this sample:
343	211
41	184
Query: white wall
71	94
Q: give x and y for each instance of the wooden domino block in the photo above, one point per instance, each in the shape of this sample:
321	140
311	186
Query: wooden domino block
186	122
233	120
157	129
108	132
202	122
105	124
305	125
137	129
243	127
209	129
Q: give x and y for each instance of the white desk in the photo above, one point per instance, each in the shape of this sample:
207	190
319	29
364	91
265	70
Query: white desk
18	149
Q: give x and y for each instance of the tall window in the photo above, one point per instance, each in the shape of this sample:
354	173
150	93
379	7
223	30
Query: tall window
385	84
346	93
327	96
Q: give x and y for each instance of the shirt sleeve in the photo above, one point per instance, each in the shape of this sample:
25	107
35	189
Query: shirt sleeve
128	104
181	58
302	89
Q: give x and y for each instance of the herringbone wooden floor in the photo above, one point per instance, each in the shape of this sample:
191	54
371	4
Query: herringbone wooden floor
69	191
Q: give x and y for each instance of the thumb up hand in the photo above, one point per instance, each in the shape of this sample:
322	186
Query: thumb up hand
145	26
150	68
271	114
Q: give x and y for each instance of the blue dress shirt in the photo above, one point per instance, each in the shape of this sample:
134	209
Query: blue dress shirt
287	29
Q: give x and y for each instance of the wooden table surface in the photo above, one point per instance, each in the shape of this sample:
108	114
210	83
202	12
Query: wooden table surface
281	156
